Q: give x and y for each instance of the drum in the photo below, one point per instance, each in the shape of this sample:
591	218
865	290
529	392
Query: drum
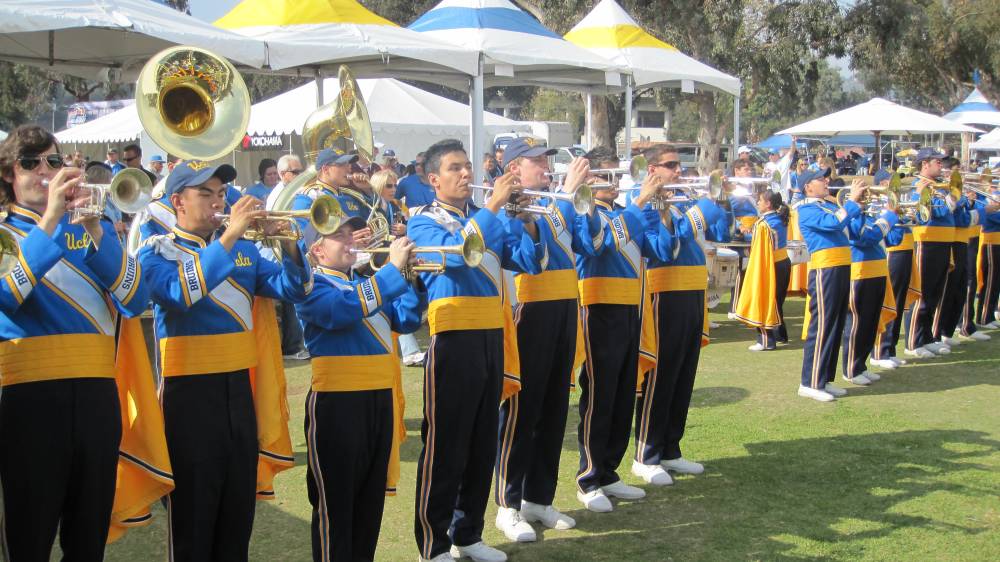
798	252
723	270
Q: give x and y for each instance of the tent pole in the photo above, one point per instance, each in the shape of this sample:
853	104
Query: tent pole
736	128
878	147
627	154
318	76
590	123
476	139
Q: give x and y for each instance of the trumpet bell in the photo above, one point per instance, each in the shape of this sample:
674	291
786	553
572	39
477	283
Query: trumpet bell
583	199
473	250
325	215
192	103
342	124
9	253
638	168
131	190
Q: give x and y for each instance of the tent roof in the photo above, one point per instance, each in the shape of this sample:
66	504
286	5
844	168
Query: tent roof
331	32
393	107
975	110
989	141
610	32
516	48
89	36
879	115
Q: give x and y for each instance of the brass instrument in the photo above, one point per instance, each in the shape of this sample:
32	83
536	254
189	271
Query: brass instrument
192	102
10	253
660	202
582	200
324	215
130	190
712	184
919	210
342	124
471	249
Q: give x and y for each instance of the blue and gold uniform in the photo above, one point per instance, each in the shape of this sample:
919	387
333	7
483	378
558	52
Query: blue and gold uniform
349	323
60	417
767	275
745	216
967	317
870	303
989	268
159	217
899	257
610	294
464	372
209	328
533	421
350	206
824	229
949	309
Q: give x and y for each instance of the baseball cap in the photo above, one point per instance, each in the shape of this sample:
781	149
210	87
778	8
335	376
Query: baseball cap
191	173
526	148
329	156
810	175
929	154
310	235
389	153
743	149
157	158
773	151
882	175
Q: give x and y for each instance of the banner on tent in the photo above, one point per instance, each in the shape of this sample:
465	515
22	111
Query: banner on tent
82	112
264	142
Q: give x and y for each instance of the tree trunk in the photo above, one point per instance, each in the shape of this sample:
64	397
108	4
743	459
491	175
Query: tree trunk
601	125
708	132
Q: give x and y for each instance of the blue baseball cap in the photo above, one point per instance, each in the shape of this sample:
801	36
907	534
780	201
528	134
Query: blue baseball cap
389	153
192	173
929	154
773	151
810	175
329	156
882	175
524	147
157	158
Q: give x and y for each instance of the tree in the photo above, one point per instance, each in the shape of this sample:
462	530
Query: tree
25	95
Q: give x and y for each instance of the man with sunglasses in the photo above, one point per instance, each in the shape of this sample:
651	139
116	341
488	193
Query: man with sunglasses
60	420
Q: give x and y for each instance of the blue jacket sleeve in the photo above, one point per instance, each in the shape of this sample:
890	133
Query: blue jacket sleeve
588	238
38	254
654	240
519	252
332	307
118	273
180	284
864	232
406	310
287	281
815	218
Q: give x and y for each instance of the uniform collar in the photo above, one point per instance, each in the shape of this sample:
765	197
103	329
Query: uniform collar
327	187
334	273
25	214
820	200
768	213
462	213
190	237
604	205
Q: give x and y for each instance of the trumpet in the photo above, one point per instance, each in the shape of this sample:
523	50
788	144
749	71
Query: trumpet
920	209
582	200
324	215
977	188
471	249
130	190
660	202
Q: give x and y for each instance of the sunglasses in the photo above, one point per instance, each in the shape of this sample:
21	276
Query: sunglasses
390	185
293	172
672	165
29	163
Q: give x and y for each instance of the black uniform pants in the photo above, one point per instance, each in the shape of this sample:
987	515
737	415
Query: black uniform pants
864	308
533	421
932	258
967	321
463	377
211	432
990	293
349	438
741	274
949	309
661	411
59	444
828	291
769	338
900	269
607	385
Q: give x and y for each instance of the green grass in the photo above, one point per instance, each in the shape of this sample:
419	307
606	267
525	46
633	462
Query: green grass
907	469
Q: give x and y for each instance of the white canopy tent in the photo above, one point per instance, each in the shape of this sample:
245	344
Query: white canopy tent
109	39
989	141
975	110
879	117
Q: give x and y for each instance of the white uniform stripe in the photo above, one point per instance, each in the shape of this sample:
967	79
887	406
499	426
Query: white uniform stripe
236	300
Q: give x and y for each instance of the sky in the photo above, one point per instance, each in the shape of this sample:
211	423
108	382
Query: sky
211	10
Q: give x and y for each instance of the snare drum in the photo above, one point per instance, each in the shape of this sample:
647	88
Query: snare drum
724	270
798	252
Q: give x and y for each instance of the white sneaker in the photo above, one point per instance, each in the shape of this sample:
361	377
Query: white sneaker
756	347
976	336
443	557
950	342
859	380
871	376
479	552
834	391
546	515
938	348
887	364
300	356
414	359
815	394
651	474
996	315
899	362
919	353
595	501
623	491
713	325
514	526
731	316
682	466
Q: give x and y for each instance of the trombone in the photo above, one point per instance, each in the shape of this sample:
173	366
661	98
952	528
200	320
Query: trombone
324	215
471	249
582	200
130	190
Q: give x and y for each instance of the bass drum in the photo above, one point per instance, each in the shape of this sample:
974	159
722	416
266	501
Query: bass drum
723	270
798	252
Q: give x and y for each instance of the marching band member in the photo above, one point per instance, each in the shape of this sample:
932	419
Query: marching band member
678	288
967	320
203	281
610	294
762	305
823	225
60	417
932	254
533	421
348	324
989	268
333	178
744	212
870	302
464	370
949	309
899	251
